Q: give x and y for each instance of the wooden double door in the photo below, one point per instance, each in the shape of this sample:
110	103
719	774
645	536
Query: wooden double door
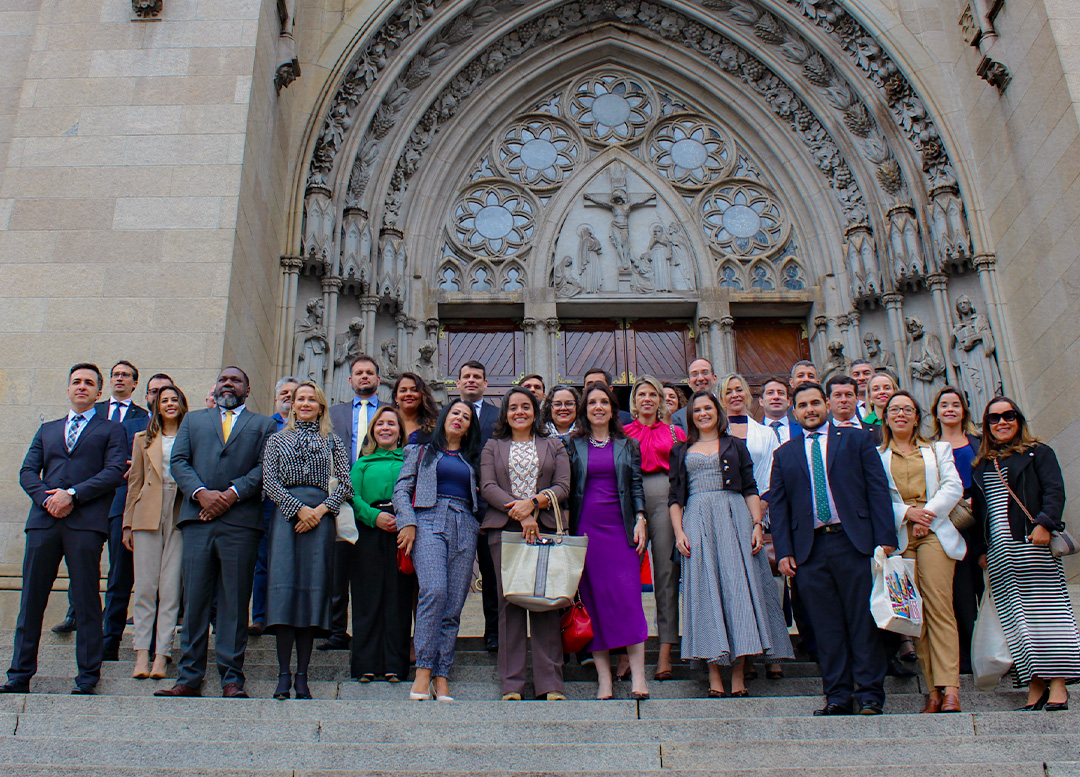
627	348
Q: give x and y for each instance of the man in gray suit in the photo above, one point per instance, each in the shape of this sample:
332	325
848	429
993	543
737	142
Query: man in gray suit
701	378
217	464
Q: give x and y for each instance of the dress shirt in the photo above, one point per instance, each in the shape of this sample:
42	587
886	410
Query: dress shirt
852	422
655	442
783	430
236	411
823	444
861	409
118	409
358	433
86	416
478	405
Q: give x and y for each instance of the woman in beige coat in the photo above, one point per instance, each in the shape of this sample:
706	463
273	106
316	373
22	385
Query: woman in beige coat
151	535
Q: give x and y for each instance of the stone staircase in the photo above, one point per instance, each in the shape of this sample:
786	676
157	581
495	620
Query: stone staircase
367	729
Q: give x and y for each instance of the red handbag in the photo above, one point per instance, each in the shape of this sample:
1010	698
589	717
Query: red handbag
404	563
576	627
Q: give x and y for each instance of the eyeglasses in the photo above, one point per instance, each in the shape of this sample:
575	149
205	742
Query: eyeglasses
996	418
561	405
118	374
902	410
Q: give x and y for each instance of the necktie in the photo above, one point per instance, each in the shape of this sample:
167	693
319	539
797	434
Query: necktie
362	423
849	423
776	429
821	494
114	411
73	431
226	424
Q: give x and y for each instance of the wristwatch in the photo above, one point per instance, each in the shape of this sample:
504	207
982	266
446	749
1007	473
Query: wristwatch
71	492
536	503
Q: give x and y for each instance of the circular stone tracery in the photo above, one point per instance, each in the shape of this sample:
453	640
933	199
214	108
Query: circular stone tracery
612	107
494	219
690	151
743	219
538	151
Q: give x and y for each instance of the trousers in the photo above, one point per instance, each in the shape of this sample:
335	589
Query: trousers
665	571
939	646
158	563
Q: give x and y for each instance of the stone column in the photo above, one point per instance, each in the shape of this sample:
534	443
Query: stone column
894	310
331	287
855	336
551	327
402	321
368	306
938	283
819	339
726	338
290	266
533	358
843	323
985	267
411	345
703	346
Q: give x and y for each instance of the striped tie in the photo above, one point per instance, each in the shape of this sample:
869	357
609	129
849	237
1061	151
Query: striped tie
821	494
73	431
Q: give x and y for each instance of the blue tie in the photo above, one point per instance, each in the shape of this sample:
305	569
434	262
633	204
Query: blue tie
821	493
73	431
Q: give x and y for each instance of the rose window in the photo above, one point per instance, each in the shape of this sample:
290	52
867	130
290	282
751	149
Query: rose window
538	152
612	107
689	151
743	219
494	220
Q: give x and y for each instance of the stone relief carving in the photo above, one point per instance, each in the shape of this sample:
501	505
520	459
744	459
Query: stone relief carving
948	229
565	278
925	362
146	10
905	247
392	261
347	346
836	363
310	344
319	230
288	69
682	258
356	248
588	267
429	371
862	259
620	203
390	369
879	358
974	355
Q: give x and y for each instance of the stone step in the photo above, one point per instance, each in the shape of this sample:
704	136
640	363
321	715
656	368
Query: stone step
1023	769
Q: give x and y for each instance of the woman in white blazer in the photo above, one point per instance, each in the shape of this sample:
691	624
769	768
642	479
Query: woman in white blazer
925	487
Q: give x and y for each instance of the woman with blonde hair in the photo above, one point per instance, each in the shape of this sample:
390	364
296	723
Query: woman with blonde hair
298	464
150	532
882	386
656	435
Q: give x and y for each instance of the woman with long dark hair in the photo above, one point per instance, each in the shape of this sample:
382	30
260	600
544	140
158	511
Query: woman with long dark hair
150	532
436	500
1018	501
412	398
517	467
607	503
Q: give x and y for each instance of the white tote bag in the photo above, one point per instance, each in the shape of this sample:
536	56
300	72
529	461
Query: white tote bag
990	656
895	601
543	576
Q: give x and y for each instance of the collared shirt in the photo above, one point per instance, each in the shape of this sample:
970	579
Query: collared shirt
358	433
778	426
823	444
86	416
236	411
478	406
908	472
861	409
853	422
118	409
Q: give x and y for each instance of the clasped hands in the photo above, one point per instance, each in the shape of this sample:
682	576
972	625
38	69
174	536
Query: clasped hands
920	521
307	518
522	511
59	503
213	504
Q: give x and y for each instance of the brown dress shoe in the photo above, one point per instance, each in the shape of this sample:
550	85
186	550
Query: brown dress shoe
233	691
951	703
178	690
933	702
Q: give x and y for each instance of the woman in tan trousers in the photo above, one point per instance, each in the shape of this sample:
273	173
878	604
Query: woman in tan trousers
151	535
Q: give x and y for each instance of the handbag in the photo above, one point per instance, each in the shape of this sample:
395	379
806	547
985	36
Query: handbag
345	520
895	601
404	563
577	631
960	516
1061	542
543	576
990	655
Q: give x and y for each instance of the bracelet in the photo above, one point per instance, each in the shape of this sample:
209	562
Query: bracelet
641	519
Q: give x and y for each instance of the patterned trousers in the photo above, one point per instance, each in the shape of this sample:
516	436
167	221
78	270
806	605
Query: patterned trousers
443	556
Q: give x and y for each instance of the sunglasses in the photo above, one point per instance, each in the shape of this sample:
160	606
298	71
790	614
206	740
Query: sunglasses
995	418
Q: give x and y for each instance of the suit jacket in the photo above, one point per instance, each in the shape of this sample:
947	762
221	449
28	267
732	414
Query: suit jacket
202	459
94	468
341	417
142	508
679	418
943	490
417	487
627	476
134	411
132	425
489	414
859	487
554	473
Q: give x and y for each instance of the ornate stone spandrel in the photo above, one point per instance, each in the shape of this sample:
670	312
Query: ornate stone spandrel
974	354
925	362
879	358
310	344
347	346
146	10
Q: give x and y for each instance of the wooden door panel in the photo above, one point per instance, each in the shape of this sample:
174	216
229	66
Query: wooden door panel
661	349
498	345
586	345
768	347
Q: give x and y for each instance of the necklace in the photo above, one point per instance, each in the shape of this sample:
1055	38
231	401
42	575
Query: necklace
594	443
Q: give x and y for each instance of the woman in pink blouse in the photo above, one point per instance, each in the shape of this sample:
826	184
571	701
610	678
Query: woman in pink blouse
656	434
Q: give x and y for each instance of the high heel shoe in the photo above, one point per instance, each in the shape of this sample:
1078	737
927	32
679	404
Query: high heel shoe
284	684
414	696
437	696
1038	705
161	661
142	665
302	690
1057	706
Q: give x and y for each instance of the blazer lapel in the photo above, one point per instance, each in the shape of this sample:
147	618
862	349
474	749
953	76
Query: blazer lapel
91	424
155	454
215	421
835	439
237	426
930	468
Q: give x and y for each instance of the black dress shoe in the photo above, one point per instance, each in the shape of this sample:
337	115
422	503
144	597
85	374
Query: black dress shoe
111	655
336	642
12	686
832	709
256	629
86	689
66	626
871	708
491	644
1055	706
897	669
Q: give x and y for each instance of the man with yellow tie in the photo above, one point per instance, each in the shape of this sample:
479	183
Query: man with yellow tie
217	464
350	420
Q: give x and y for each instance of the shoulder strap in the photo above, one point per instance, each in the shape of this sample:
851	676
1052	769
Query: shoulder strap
1005	482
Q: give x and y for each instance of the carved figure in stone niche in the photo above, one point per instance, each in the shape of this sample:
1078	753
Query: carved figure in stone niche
310	345
879	358
680	257
589	269
641	274
565	278
620	204
346	348
660	258
390	370
836	364
427	370
925	362
974	354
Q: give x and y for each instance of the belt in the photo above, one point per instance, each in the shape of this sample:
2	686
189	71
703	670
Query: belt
829	528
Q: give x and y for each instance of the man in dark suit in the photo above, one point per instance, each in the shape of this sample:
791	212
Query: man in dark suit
217	464
350	420
70	473
843	392
471	385
830	507
700	377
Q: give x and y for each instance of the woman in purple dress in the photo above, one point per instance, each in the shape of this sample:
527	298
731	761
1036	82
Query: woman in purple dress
607	504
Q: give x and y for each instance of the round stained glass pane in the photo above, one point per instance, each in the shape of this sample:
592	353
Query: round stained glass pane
611	110
495	221
739	220
539	154
689	154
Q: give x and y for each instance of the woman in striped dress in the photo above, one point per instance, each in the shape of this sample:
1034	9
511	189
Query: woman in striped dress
1018	500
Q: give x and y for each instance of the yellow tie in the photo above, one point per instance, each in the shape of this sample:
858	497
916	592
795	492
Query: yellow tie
226	425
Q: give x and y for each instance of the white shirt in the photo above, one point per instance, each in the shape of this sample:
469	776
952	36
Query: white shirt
86	420
784	428
166	457
236	411
823	444
854	421
860	409
118	409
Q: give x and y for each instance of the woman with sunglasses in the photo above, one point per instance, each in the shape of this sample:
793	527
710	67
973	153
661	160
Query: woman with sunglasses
925	487
1018	501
